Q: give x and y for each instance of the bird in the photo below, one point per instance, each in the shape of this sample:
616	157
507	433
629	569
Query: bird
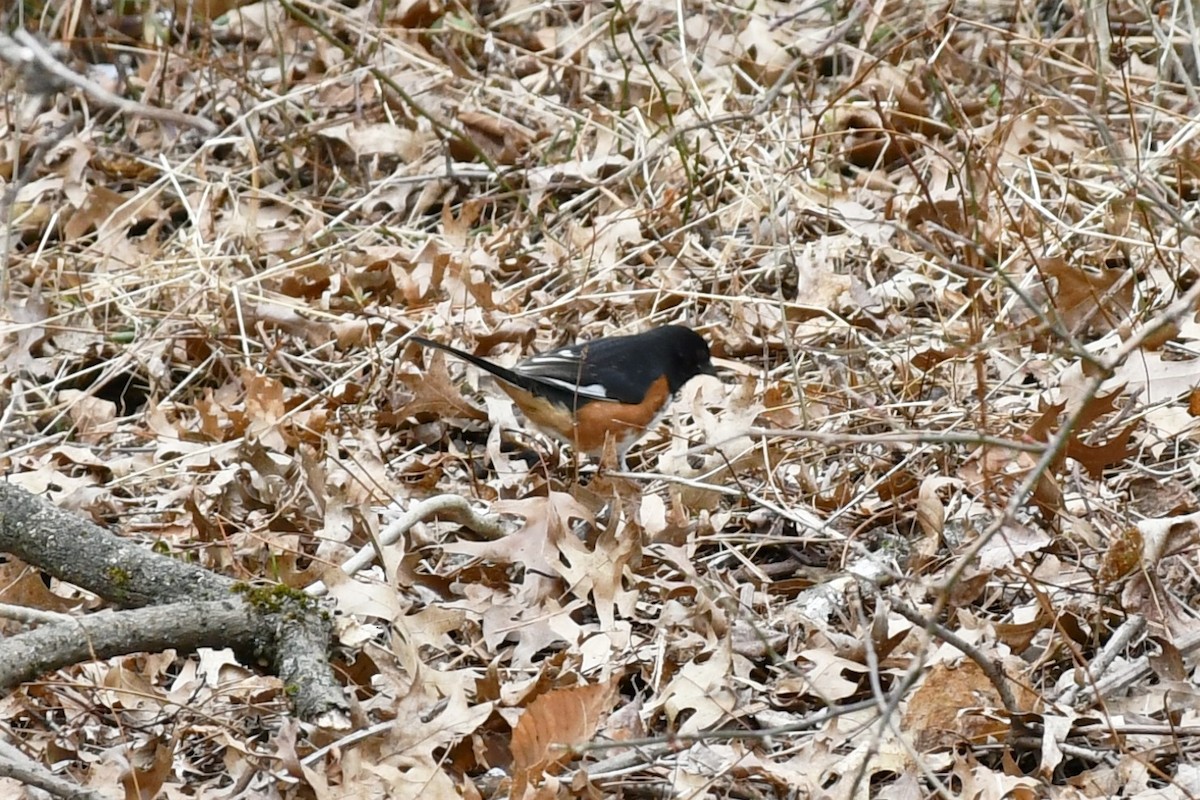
614	387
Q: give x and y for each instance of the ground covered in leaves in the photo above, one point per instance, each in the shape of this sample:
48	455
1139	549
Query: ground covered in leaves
930	533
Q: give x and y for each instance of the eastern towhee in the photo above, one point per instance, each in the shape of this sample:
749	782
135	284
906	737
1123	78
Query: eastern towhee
614	387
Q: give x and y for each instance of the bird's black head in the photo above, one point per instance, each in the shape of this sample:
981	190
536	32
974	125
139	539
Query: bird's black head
689	355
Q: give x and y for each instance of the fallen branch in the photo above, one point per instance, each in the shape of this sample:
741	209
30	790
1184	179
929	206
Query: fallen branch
285	629
16	765
183	626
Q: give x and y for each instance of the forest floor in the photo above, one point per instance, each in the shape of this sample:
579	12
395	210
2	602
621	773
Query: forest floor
930	532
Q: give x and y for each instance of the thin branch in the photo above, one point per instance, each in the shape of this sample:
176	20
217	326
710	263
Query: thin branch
990	668
1116	644
26	53
452	506
16	765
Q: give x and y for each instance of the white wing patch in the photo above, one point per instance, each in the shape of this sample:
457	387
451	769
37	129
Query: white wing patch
560	368
566	358
594	391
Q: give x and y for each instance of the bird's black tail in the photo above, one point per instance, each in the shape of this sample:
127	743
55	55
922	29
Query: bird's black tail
503	373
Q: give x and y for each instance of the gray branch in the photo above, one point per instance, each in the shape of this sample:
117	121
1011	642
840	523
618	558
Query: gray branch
178	604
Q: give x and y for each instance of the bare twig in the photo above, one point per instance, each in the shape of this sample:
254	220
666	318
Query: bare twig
25	52
991	669
1116	644
452	506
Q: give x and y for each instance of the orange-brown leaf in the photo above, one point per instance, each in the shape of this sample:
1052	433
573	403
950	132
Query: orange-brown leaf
1194	402
553	725
1101	300
1095	458
1122	557
936	717
1048	495
1043	428
1097	407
